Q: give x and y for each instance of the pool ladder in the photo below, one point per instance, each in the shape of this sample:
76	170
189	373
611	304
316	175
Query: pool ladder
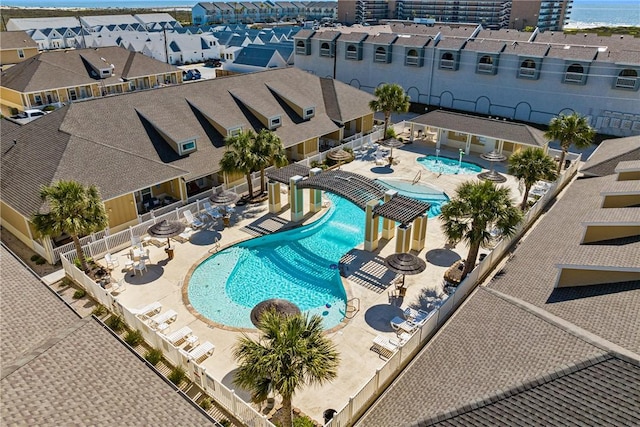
353	307
417	178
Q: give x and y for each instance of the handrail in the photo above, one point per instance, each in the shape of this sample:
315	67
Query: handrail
417	177
352	309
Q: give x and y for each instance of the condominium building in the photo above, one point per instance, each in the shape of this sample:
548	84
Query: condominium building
517	14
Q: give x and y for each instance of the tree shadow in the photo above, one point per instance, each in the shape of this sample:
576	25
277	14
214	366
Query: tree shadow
442	257
153	273
242	393
382	170
379	316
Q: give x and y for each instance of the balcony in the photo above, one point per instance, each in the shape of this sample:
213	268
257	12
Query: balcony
485	68
627	83
571	77
527	73
447	64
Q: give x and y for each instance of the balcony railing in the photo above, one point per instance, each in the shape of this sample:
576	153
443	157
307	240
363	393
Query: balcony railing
485	68
571	77
447	64
626	82
527	72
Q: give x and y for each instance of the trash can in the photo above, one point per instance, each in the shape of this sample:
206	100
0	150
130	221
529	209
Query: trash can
328	415
169	252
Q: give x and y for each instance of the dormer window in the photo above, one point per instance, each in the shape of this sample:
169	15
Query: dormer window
575	74
627	79
275	122
353	52
382	54
487	65
448	61
309	112
235	131
326	49
303	47
187	147
528	70
413	58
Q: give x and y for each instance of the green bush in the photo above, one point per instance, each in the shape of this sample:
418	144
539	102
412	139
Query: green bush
153	356
133	338
303	421
35	257
115	323
77	263
79	293
225	423
391	133
49	108
177	375
99	310
40	261
66	282
206	404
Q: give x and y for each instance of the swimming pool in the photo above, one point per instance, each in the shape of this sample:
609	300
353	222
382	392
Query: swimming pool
448	166
299	265
419	191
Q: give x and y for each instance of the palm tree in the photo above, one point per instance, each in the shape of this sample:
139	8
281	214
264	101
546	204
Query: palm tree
73	209
239	157
268	150
568	130
531	165
390	98
290	353
478	210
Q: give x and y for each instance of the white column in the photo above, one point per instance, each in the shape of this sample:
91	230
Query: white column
315	196
388	226
275	203
419	233
296	199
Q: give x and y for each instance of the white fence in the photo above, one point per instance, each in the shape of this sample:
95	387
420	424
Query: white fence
358	403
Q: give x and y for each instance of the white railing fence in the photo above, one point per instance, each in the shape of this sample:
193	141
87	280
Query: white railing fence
358	403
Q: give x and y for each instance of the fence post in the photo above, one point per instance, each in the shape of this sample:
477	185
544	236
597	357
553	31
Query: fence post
350	407
377	378
234	403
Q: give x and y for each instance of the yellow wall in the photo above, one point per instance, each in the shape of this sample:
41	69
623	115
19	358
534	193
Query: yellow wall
15	223
121	210
10	99
621	201
337	135
364	124
574	277
170	188
10	56
508	147
235	178
598	233
629	176
451	136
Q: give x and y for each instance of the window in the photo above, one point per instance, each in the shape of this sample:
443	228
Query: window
20	53
352	52
574	74
381	55
187	147
37	99
235	131
309	112
627	79
274	122
325	49
73	95
485	65
413	58
447	61
303	48
528	69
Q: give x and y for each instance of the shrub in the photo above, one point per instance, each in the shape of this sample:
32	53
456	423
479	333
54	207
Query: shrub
177	375
66	282
205	404
225	423
49	108
303	421
40	261
77	263
79	293
133	338
115	323
35	257
391	133
99	310
153	356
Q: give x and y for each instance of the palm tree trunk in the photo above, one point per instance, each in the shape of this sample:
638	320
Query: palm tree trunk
80	253
471	259
563	154
250	185
387	118
263	184
523	206
287	413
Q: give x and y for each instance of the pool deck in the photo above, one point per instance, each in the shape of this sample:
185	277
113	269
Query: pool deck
364	275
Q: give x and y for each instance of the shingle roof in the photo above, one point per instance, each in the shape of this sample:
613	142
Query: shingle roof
382	38
604	392
451	43
257	56
412	41
16	40
353	37
568	52
485	46
499	129
60	370
59	69
527	49
605	158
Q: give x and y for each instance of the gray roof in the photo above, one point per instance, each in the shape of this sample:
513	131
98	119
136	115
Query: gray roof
42	23
527	49
59	69
16	40
451	43
412	41
605	158
499	129
326	35
485	46
58	369
504	35
579	53
353	37
382	38
64	145
596	392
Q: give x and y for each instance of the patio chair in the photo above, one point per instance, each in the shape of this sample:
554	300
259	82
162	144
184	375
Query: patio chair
141	266
135	241
193	221
415	316
177	337
201	352
145	256
111	261
118	287
211	211
167	317
401	325
148	310
384	346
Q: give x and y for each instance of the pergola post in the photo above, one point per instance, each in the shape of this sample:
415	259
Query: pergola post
411	127
403	240
388	225
419	233
438	136
372	223
296	199
275	203
467	147
315	196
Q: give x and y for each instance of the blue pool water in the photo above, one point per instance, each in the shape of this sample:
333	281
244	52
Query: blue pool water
427	193
299	265
447	166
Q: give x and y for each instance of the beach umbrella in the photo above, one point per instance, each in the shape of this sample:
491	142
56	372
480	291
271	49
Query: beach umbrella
223	198
339	155
282	307
405	263
166	229
493	157
391	143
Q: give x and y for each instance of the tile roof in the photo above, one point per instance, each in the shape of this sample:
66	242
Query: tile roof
61	370
608	154
16	40
488	345
601	391
499	129
68	68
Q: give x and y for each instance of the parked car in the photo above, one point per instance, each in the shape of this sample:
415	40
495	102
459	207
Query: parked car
191	75
28	115
213	63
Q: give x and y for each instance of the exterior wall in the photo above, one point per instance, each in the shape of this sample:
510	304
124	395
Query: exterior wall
337	135
596	233
574	277
621	201
10	99
15	223
11	56
121	210
365	124
629	176
170	188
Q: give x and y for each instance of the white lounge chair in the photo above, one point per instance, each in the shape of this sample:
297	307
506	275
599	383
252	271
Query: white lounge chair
176	338
211	211
141	266
201	352
401	325
148	310
193	221
118	287
416	316
167	317
111	261
385	346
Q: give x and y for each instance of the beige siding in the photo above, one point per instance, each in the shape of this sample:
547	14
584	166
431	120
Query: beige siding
10	99
577	277
629	176
10	56
597	233
121	210
621	201
15	223
365	123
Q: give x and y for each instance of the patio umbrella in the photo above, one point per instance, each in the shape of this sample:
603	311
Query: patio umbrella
282	306
166	229
404	263
339	155
391	143
224	198
493	157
